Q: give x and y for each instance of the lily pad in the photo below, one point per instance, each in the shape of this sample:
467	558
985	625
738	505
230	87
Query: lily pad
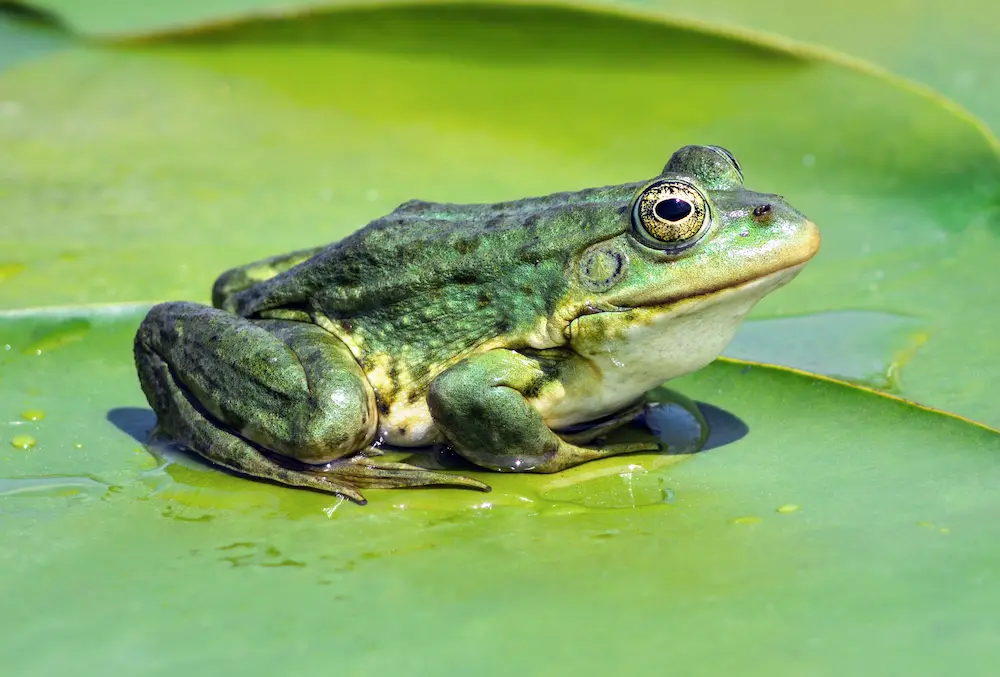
941	49
865	347
757	556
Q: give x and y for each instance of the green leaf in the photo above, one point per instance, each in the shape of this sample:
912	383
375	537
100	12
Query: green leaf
797	545
181	158
946	47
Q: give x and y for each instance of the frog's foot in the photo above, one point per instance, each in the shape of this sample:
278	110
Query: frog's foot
366	472
564	455
589	431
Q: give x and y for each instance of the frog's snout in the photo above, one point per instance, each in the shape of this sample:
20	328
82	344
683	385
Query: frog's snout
800	234
809	238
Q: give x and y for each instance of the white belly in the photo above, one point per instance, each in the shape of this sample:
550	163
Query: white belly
628	356
408	425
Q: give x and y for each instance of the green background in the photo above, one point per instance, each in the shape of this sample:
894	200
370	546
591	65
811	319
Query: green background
148	146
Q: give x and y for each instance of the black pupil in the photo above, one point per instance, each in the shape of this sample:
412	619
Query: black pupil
672	209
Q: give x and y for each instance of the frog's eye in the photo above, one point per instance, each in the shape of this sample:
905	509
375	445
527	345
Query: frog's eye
670	215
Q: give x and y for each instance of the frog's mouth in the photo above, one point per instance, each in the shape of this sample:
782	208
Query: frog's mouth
761	284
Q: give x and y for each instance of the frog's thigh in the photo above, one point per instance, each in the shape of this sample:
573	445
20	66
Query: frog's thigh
480	406
290	387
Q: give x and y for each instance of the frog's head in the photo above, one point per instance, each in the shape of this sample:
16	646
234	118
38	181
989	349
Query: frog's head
697	254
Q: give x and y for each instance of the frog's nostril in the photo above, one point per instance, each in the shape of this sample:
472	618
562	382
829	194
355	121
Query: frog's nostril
762	213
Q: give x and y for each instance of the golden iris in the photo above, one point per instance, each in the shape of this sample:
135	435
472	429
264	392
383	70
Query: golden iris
672	213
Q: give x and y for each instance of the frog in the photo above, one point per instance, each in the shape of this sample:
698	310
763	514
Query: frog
516	335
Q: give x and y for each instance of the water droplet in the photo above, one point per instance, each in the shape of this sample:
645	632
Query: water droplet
372	195
808	160
33	415
23	442
787	508
332	509
747	519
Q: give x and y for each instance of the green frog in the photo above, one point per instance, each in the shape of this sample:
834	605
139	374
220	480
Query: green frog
516	334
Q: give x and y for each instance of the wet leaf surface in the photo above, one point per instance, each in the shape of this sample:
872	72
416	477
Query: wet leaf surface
817	505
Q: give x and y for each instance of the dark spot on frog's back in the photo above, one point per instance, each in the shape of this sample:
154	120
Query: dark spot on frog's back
465	245
528	252
465	277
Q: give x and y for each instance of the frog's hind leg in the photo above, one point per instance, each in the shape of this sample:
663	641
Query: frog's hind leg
273	399
242	278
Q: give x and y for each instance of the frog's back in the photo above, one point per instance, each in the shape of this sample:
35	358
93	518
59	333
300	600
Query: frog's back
426	248
432	282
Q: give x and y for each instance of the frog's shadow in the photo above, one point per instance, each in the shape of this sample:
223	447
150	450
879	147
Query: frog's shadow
724	427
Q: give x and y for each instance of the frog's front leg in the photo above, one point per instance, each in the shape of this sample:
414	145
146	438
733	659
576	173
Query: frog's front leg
481	407
274	399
